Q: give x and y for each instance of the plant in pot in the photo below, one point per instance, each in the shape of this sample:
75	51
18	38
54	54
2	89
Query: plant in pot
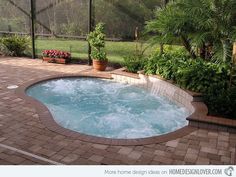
56	56
96	39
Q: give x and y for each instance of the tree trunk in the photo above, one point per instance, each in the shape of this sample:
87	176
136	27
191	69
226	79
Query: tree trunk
203	52
233	66
188	47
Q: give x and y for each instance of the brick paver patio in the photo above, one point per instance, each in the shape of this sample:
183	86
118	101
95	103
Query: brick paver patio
25	140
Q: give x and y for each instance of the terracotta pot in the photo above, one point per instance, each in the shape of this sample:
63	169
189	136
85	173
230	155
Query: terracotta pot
100	65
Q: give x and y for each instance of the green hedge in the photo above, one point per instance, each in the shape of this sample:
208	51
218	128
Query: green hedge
193	74
222	102
134	63
200	76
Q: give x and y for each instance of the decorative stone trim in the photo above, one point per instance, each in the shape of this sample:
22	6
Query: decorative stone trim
158	86
191	100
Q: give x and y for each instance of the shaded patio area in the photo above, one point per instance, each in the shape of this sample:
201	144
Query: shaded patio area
25	140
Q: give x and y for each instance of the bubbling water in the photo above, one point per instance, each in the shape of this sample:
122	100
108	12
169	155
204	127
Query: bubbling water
108	109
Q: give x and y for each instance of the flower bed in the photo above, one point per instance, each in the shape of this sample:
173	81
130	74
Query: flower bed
56	56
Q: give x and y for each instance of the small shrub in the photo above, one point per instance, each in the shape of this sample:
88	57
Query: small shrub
222	103
151	65
165	65
96	39
200	76
134	63
169	64
193	74
14	45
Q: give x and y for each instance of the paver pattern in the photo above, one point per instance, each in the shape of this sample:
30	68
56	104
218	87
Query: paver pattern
9	157
20	127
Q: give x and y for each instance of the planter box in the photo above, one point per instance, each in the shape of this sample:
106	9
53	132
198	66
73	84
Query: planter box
56	60
48	59
62	60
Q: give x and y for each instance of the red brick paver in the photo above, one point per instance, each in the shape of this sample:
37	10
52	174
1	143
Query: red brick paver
21	128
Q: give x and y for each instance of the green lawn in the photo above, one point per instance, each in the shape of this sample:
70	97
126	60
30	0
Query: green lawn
115	50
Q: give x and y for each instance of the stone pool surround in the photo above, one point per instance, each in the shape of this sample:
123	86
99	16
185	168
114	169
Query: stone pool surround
191	101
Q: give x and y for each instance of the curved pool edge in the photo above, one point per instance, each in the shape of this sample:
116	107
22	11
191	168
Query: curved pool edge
198	118
47	119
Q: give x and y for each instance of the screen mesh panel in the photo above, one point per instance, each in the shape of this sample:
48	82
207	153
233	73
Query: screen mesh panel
63	24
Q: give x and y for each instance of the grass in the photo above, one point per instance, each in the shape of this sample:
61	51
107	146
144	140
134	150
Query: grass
79	49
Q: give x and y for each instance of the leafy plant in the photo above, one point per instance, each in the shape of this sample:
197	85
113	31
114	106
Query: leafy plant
151	65
14	45
172	25
165	64
222	103
208	25
99	55
200	76
134	63
213	80
97	41
196	75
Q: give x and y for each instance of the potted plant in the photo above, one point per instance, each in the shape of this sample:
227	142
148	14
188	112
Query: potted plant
56	56
96	39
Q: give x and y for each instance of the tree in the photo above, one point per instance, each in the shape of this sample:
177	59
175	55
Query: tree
215	23
197	24
172	25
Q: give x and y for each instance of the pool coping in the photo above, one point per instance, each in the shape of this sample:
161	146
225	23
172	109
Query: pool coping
47	119
199	118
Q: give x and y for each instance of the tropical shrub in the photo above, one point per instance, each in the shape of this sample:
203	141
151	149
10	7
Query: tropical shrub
200	76
165	64
170	52
206	29
196	75
222	102
134	63
208	25
14	45
151	65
